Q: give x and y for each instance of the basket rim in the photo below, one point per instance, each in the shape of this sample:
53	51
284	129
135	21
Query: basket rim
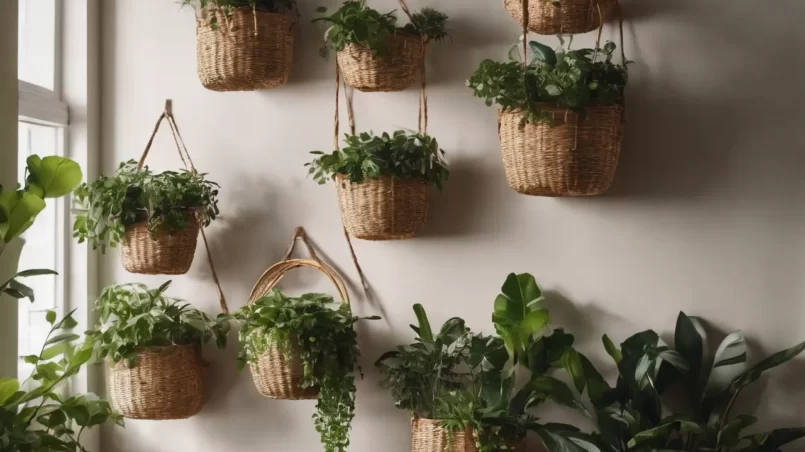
341	178
397	34
547	105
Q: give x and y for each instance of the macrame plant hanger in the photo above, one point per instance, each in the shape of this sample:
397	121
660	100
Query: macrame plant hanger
184	155
422	124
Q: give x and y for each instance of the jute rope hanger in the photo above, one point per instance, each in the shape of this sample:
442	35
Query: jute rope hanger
184	155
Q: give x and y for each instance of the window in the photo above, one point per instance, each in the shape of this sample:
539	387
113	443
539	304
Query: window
42	120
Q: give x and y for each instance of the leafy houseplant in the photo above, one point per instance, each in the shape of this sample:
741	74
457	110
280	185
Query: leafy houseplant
373	53
567	79
323	339
228	7
633	417
44	418
144	334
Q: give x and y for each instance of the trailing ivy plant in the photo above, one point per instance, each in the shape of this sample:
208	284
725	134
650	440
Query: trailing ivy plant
36	415
632	416
571	79
133	195
406	155
356	23
228	7
133	317
326	340
46	178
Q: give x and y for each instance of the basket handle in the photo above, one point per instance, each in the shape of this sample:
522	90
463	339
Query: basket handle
271	277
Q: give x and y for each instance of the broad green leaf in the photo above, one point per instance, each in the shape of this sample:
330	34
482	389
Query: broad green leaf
773	440
8	387
53	176
557	391
21	209
597	388
65	337
675	359
771	362
612	349
542	53
54	351
533	322
571	362
35	272
556	441
730	434
425	331
689	344
731	351
51	317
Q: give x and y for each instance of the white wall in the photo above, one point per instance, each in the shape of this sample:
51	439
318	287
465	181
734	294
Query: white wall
705	216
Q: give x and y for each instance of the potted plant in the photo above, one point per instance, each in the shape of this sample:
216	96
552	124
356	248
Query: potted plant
373	53
156	216
244	45
153	346
561	116
303	348
633	415
383	182
555	17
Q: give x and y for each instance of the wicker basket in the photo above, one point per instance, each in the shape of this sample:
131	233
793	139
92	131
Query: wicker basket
567	17
395	71
387	208
167	383
428	435
251	49
573	157
278	376
169	254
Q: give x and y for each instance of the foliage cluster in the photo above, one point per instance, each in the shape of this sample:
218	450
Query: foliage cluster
404	154
326	341
133	317
44	419
571	79
356	23
228	6
133	195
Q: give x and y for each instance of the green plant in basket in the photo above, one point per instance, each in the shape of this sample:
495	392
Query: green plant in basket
406	155
134	317
326	341
110	204
633	416
571	79
356	23
228	6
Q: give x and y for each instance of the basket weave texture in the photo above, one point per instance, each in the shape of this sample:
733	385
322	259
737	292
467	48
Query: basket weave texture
238	57
428	435
167	383
567	17
573	157
395	71
278	376
386	208
169	254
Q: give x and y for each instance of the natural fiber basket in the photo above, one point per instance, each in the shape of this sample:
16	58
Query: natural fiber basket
166	383
277	375
573	157
428	435
249	50
386	208
394	71
169	254
547	17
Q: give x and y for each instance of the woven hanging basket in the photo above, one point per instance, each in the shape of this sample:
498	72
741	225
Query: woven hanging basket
573	157
167	383
169	254
278	375
249	50
387	208
428	435
546	17
395	71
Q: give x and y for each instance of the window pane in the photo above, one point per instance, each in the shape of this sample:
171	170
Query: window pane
37	42
42	248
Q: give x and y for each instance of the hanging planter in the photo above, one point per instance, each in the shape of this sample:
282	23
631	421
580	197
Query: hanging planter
429	435
305	347
245	48
153	345
383	182
373	53
155	217
561	117
553	17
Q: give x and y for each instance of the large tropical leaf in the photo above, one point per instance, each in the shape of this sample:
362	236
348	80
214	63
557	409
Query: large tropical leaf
690	345
773	440
518	315
21	209
52	176
425	333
